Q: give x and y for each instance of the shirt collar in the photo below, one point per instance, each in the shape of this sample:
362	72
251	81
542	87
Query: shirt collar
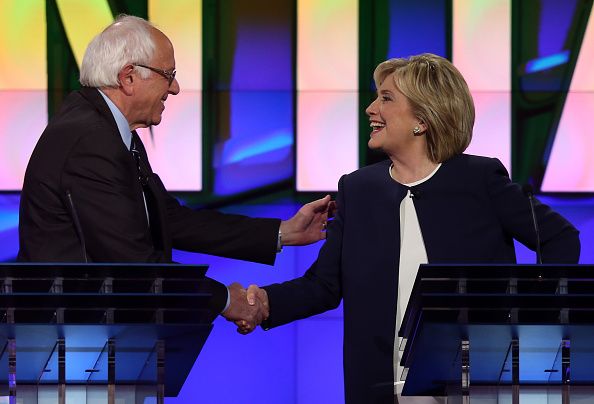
121	121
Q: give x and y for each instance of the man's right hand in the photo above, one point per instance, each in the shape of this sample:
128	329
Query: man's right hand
255	297
245	308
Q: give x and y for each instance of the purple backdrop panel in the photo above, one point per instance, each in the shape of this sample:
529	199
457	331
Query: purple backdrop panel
259	150
319	361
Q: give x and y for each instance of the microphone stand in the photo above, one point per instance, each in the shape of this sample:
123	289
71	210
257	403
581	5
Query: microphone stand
528	192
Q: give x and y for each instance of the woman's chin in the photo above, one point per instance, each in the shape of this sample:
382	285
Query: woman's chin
373	144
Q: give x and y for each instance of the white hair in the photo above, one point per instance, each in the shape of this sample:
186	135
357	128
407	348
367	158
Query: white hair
127	40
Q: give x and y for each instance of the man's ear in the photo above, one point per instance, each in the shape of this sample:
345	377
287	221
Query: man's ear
127	79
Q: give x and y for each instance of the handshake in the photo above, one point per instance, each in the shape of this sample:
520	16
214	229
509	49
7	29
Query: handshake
247	308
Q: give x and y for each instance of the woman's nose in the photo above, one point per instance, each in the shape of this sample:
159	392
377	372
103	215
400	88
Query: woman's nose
371	110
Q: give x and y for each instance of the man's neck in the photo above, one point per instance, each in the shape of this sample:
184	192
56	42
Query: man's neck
116	96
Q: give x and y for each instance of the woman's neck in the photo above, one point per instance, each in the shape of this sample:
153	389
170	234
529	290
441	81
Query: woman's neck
410	170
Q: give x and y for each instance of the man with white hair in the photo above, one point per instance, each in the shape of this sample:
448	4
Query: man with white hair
90	195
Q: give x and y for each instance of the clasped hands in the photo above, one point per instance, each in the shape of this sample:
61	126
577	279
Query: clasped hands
247	308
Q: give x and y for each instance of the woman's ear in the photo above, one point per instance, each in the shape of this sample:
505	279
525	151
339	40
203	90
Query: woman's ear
422	127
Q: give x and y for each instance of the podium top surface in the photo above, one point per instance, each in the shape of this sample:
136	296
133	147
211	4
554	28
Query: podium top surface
500	294
505	271
27	270
55	293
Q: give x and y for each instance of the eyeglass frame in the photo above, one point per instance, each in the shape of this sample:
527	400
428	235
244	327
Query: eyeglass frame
170	76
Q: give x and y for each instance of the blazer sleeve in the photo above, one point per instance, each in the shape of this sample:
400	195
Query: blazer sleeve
221	234
559	239
319	289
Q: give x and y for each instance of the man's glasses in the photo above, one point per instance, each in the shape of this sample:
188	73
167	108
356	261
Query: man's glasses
170	76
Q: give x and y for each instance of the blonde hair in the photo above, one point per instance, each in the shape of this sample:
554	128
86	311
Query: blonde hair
439	96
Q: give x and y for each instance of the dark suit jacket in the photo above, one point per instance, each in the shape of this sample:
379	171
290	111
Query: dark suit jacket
81	154
469	211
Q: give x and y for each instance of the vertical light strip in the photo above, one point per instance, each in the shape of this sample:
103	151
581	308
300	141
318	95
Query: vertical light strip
22	45
481	34
83	20
23	86
255	104
327	60
176	147
571	167
181	21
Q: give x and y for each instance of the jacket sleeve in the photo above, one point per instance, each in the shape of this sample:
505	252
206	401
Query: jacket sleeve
222	234
319	289
559	239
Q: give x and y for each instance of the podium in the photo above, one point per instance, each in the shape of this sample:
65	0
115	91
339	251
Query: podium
104	332
498	331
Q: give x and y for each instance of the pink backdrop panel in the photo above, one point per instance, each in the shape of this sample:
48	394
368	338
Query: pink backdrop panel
23	118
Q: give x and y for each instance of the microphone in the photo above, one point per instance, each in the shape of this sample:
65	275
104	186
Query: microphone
527	189
77	226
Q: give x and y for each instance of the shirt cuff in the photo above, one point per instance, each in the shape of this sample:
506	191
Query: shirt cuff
279	242
228	301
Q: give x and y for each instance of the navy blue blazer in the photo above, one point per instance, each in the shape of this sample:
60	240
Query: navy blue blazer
469	211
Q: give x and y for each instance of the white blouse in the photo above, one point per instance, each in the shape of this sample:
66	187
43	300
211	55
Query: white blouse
412	254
